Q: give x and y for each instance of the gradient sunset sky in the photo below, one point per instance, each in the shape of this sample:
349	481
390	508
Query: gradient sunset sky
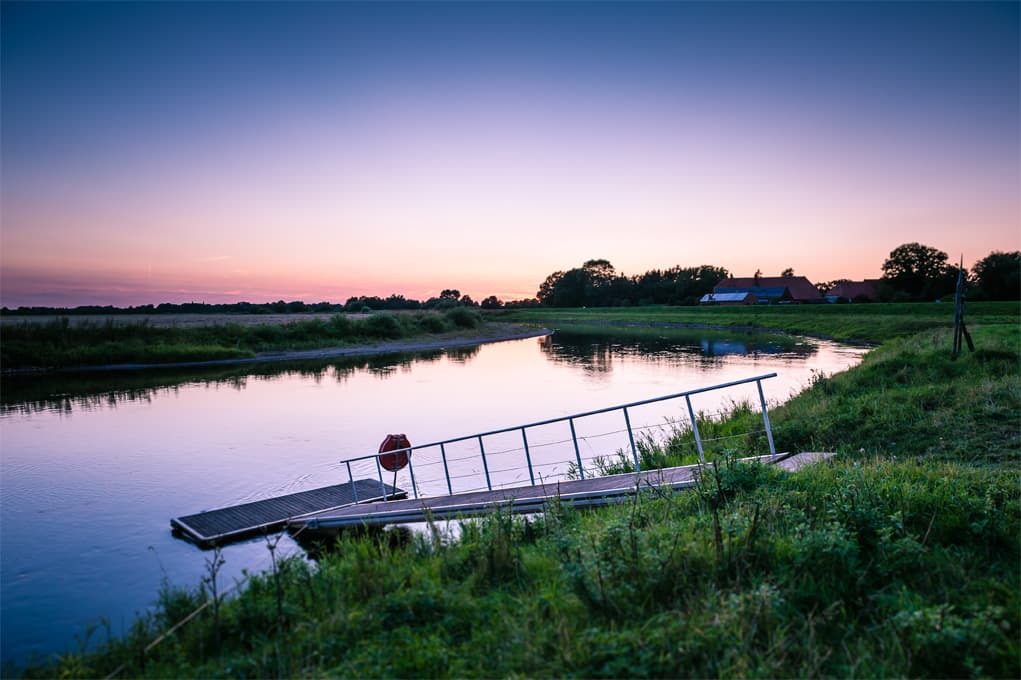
217	152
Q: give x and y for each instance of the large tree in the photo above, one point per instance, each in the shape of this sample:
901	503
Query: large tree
917	272
998	276
594	284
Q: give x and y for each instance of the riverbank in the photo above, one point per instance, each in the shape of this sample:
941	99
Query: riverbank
60	345
897	558
866	324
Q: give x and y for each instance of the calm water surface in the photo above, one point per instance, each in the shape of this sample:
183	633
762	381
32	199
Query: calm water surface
94	466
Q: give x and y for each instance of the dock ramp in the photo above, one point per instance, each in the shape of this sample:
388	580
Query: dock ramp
591	492
225	525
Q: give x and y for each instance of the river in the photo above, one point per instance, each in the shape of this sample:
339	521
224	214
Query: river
94	466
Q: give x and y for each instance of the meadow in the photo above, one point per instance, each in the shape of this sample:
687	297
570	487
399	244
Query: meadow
899	557
861	323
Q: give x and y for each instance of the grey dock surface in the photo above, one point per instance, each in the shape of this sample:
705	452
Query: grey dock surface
582	492
216	527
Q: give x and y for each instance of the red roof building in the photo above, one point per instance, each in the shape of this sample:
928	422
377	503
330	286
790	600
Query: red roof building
854	290
772	288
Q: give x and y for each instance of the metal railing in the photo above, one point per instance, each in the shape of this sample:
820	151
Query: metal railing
442	445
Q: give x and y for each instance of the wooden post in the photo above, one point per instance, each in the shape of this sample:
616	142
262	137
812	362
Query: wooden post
960	330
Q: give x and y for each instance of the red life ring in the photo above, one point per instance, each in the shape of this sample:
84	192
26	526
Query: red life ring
394	461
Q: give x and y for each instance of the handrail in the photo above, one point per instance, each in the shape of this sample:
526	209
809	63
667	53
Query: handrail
571	418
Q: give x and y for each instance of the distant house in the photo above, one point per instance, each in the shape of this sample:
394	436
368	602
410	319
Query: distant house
854	291
771	289
729	299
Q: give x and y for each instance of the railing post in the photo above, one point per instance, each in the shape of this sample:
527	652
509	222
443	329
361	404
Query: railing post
351	479
694	428
485	465
446	472
382	486
765	418
411	469
631	438
528	457
577	452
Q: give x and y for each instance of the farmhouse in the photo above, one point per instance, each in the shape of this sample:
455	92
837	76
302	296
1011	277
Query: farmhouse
729	299
854	291
770	289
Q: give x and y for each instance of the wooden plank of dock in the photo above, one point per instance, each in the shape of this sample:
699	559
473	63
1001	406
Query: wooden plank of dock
587	492
216	527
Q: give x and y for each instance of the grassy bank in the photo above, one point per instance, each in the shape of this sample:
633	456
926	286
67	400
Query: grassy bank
900	557
31	392
61	344
874	569
857	322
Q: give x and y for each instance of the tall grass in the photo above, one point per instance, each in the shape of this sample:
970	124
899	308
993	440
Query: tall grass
870	567
59	344
740	429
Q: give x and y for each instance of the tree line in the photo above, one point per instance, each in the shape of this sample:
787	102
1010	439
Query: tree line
449	298
597	284
913	272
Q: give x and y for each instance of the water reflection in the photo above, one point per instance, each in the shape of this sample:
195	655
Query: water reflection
596	353
65	392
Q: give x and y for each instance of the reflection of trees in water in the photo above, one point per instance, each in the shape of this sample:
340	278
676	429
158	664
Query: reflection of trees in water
66	392
596	353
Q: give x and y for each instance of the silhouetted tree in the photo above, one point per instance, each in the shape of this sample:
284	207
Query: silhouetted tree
547	289
788	273
998	276
491	302
917	272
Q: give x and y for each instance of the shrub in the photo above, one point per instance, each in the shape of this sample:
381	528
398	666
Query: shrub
341	326
462	317
383	326
432	323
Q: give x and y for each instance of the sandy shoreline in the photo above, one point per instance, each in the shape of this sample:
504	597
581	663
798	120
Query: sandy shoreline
489	333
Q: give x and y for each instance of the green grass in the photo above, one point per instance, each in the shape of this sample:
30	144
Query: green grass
871	568
908	398
899	557
856	322
59	344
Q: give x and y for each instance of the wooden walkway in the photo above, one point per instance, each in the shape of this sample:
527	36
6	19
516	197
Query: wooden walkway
216	527
579	493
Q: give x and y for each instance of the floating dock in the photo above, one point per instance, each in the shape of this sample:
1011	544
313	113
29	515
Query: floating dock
523	499
217	527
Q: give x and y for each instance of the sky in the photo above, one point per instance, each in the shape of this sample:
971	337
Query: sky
220	152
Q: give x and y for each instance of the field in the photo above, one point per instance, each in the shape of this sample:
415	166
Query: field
871	323
899	557
168	320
